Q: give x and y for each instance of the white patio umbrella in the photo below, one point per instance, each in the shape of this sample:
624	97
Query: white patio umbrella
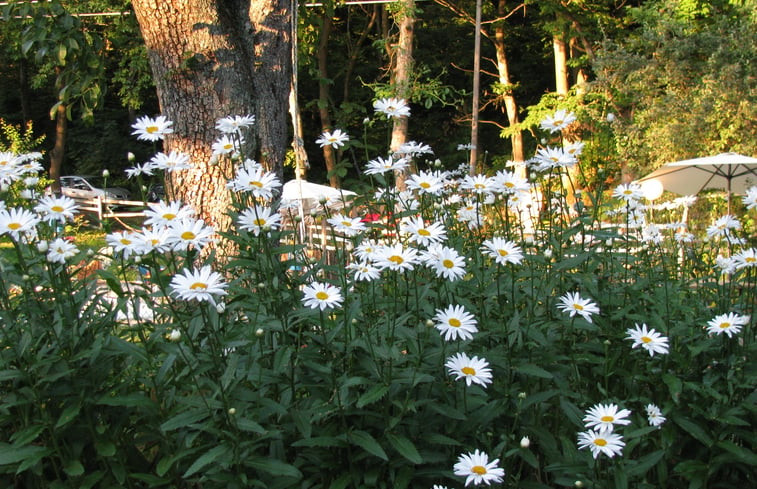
731	172
309	194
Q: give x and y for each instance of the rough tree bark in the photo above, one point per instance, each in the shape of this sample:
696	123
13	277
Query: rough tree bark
211	59
324	88
402	73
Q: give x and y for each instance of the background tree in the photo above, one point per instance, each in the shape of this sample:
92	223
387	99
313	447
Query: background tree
213	59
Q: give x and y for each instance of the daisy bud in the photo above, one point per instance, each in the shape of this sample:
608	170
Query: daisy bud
429	323
106	173
578	484
354	320
25	277
213	160
232	411
297	218
259	332
366	120
130	156
521	395
261	285
42	246
543	141
220	307
525	442
144	188
610	117
322	200
4	187
548	253
137	259
90	252
175	335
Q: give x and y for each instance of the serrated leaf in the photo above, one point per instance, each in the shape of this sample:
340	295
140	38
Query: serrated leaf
405	447
206	458
368	443
372	395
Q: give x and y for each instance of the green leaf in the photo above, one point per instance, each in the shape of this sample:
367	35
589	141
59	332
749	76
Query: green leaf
206	458
320	441
27	435
73	468
342	482
9	374
372	395
645	463
11	454
405	448
439	439
743	454
181	420
533	371
368	443
275	467
249	425
105	448
68	415
694	430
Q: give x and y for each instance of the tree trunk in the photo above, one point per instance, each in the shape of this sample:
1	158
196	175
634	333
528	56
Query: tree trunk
209	60
324	85
511	107
59	149
561	65
402	73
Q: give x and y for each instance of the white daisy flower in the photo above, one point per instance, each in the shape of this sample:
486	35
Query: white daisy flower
628	192
476	468
53	208
189	232
729	324
750	199
18	222
573	304
413	149
425	183
335	139
349	226
225	145
445	261
507	182
392	107
322	296
233	124
455	323
175	160
503	251
474	370
654	415
364	271
723	227
124	242
201	285
148	129
397	258
257	218
256	181
152	239
746	258
381	165
610	444
650	340
162	214
422	233
557	121
61	250
604	417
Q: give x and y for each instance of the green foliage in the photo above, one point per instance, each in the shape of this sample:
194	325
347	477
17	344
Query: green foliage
109	381
17	140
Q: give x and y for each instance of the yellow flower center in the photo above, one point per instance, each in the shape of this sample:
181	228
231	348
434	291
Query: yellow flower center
557	122
750	259
607	419
347	223
555	159
57	208
259	222
503	252
199	286
125	241
257	184
627	191
397	259
468	371
646	339
169	216
321	295
151	129
578	307
4	162
479	186
478	469
155	242
188	235
454	322
14	226
425	185
509	184
448	264
424	232
600	442
725	325
228	146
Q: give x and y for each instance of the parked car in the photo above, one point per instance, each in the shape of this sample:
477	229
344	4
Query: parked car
87	188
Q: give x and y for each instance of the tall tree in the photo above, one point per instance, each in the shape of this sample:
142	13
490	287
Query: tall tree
211	59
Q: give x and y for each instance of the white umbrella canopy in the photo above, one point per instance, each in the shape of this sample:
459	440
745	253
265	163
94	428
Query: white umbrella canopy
310	194
731	172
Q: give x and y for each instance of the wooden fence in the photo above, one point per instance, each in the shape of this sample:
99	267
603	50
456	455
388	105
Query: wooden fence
105	208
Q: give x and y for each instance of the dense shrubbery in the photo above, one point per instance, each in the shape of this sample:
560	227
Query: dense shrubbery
475	322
